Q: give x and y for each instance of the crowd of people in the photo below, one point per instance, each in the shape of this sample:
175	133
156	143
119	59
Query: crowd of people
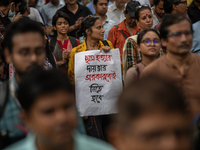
158	43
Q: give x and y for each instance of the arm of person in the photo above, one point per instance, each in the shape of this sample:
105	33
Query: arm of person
75	26
131	76
71	66
111	36
64	58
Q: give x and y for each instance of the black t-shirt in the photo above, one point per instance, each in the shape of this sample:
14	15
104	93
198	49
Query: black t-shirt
82	11
194	12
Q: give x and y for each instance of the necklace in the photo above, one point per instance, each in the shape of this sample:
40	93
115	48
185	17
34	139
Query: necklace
143	64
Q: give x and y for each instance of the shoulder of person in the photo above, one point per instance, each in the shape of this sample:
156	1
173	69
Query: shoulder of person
27	143
154	67
89	143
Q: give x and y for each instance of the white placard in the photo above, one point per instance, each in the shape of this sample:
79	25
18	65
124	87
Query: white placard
98	82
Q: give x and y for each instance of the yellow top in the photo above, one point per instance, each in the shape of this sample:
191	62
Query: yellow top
189	2
82	47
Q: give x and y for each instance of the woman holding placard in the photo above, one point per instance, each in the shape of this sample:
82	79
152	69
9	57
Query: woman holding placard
92	30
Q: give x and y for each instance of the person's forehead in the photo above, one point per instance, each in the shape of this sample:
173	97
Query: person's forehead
182	25
27	38
102	1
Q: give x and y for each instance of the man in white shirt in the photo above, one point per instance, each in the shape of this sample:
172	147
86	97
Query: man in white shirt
116	11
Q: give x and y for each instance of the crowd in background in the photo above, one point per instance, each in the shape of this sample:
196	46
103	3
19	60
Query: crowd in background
159	47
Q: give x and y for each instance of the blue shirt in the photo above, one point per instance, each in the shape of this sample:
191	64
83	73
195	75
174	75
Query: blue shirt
196	38
107	25
48	11
10	120
81	142
91	7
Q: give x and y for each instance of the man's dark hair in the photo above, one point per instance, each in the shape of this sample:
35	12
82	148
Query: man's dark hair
16	2
87	23
156	2
146	95
40	82
137	13
23	7
23	25
5	3
60	14
96	1
142	33
169	20
168	5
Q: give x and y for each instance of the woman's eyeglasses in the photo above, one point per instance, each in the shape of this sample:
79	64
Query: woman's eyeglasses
148	42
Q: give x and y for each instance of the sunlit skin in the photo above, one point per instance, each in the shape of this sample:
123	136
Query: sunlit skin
53	119
145	19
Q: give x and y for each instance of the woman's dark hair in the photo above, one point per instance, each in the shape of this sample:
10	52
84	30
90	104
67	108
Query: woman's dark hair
59	14
38	83
141	8
142	33
49	54
87	23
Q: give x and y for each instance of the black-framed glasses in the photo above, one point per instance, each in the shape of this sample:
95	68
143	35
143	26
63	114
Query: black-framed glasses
177	35
148	42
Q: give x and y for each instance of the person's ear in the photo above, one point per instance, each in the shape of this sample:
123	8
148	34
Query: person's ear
137	22
88	32
174	7
54	28
7	55
24	116
138	47
164	42
12	6
95	7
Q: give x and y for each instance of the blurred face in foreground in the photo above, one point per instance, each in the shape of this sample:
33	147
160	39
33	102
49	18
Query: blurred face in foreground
156	131
53	119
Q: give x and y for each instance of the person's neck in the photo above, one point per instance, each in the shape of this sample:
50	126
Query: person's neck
48	146
147	60
120	8
197	4
56	4
130	29
62	37
4	10
179	61
73	8
103	17
92	44
159	18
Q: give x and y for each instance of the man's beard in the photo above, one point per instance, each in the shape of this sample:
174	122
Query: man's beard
133	24
28	69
